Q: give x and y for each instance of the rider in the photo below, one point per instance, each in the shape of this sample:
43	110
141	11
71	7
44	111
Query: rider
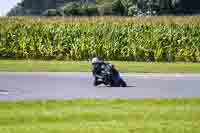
98	65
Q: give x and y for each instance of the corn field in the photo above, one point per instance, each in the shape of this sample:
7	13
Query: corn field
127	39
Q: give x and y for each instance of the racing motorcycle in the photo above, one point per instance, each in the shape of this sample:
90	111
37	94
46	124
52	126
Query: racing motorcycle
109	78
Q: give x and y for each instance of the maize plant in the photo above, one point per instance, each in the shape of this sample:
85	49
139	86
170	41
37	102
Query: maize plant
135	39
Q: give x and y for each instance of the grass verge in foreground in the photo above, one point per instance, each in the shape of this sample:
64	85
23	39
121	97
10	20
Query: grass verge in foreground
83	66
101	116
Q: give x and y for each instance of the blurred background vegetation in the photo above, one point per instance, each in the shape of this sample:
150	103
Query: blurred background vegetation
104	7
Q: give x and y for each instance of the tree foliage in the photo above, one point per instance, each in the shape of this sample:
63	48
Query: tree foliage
104	7
72	8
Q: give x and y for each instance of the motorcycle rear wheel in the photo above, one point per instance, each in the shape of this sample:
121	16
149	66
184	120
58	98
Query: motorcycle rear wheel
123	83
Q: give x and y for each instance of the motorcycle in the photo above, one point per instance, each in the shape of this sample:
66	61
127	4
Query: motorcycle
107	78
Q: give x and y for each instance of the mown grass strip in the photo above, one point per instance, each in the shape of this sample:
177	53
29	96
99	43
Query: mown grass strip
84	66
97	116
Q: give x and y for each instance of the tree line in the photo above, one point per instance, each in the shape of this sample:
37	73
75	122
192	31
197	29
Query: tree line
103	7
75	8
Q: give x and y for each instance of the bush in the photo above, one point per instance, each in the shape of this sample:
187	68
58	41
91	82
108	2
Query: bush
52	12
72	8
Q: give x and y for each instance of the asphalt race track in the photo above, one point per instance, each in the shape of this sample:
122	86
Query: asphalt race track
43	86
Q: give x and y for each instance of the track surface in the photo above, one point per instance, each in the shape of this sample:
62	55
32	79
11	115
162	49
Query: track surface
39	86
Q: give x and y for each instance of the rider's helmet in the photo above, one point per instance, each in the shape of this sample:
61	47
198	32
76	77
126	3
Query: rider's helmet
95	60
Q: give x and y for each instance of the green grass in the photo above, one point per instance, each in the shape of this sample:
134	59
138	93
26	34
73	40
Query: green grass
83	66
101	116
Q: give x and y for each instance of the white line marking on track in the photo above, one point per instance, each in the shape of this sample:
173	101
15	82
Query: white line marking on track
3	92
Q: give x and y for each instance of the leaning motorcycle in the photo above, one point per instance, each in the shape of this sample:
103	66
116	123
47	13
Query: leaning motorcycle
109	79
